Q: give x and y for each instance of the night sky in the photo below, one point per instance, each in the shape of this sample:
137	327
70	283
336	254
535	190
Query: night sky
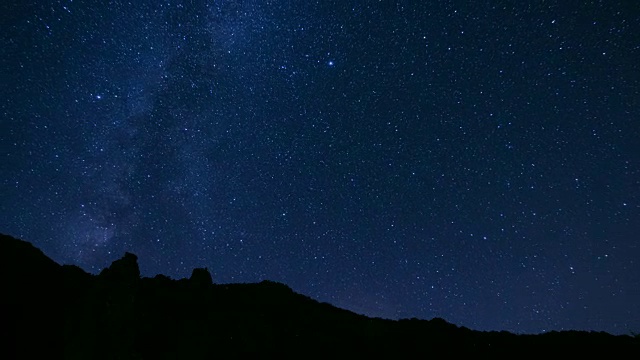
477	161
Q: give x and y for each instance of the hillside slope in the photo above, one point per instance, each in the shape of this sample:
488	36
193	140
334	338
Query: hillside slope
63	312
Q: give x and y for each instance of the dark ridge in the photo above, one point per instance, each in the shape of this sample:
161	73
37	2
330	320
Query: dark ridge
54	311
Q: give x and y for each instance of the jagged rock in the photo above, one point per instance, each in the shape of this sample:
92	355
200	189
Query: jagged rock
124	269
201	277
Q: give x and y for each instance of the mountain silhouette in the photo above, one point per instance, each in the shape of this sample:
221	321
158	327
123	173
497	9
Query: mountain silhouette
62	312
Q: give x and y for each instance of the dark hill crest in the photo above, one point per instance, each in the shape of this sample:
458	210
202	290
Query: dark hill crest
63	312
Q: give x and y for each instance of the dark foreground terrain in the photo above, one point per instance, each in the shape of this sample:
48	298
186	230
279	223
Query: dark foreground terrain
53	311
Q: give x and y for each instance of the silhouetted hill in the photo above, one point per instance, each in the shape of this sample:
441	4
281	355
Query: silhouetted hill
54	311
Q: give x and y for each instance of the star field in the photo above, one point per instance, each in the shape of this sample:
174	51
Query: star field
476	162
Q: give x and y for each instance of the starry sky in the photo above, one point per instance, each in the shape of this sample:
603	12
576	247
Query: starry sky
477	161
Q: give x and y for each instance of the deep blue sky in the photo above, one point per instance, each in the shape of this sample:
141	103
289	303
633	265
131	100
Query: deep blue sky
475	161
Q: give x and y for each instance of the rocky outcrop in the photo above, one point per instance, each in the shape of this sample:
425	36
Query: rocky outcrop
124	269
200	277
